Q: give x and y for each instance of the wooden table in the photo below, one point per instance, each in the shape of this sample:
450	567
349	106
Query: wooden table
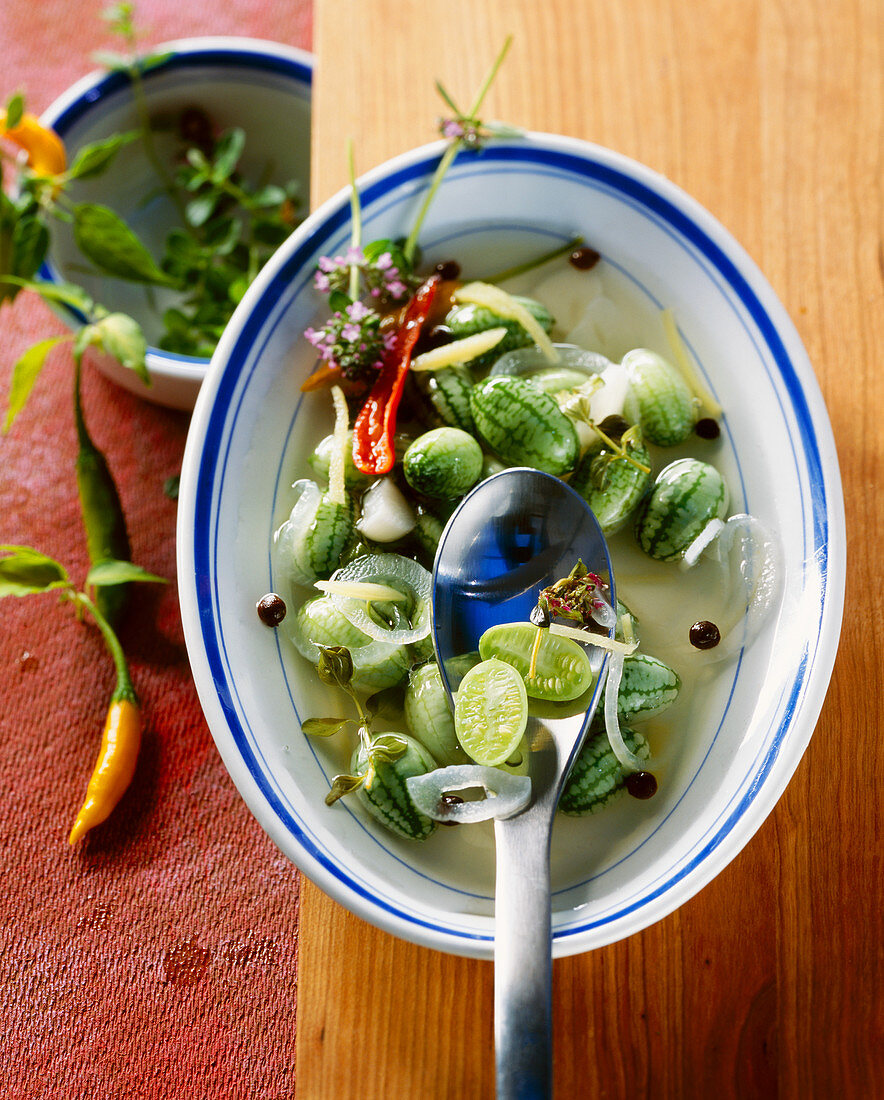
766	984
161	958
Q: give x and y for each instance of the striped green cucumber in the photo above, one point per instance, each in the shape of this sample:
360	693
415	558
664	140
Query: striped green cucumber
562	667
376	665
429	717
523	425
659	399
426	533
611	484
445	462
310	543
385	795
446	397
597	777
647	688
468	318
686	496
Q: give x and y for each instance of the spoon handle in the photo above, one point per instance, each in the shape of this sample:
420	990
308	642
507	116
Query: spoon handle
523	958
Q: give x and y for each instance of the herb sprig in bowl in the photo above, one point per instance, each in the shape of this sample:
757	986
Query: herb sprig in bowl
182	170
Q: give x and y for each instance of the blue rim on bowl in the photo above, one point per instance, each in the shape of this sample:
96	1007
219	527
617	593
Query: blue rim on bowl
182	67
780	714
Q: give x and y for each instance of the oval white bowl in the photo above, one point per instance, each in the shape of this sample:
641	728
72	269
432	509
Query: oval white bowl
263	87
619	871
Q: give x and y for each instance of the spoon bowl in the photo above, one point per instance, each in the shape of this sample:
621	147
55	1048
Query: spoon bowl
516	533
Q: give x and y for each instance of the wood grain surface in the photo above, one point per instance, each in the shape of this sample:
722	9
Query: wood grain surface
767	983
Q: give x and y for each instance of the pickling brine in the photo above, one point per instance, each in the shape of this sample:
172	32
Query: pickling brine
566	371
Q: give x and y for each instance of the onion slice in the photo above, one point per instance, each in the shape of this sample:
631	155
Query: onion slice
709	533
288	540
505	794
525	360
751	576
405	576
619	747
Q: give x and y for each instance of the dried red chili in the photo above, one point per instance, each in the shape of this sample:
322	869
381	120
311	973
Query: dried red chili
376	423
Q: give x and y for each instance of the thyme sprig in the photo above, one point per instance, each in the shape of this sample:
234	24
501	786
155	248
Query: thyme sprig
335	668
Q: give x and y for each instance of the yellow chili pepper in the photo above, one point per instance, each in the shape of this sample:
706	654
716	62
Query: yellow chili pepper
120	742
44	147
115	767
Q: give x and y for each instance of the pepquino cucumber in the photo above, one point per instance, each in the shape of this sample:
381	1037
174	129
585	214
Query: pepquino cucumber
468	318
376	665
429	717
647	688
597	777
611	484
686	496
310	543
444	462
446	397
523	425
659	400
385	795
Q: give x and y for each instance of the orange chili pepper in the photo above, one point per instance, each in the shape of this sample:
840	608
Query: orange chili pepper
45	149
116	763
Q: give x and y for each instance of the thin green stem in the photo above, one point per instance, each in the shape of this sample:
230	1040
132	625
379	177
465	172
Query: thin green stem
530	265
124	688
444	164
355	220
140	99
489	79
449	155
621	449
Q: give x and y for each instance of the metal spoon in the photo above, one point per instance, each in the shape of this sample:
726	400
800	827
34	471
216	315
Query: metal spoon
516	533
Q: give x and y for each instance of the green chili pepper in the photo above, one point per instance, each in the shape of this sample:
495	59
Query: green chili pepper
102	512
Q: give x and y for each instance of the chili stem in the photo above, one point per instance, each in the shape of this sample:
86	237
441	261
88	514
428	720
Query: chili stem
125	688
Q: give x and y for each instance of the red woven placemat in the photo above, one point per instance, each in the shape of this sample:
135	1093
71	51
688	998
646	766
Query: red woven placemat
159	958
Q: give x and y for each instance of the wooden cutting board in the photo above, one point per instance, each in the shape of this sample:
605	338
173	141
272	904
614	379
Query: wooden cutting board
771	116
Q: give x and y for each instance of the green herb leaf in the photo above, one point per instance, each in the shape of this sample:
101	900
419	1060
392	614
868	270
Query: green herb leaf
338	301
387	747
104	238
335	666
24	375
152	60
30	243
199	210
15	109
387	702
24	571
111	60
65	294
324	727
449	101
92	159
171	485
121	336
271	195
110	571
341	785
228	150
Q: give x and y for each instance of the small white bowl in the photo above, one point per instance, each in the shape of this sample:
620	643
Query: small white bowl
619	871
263	87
